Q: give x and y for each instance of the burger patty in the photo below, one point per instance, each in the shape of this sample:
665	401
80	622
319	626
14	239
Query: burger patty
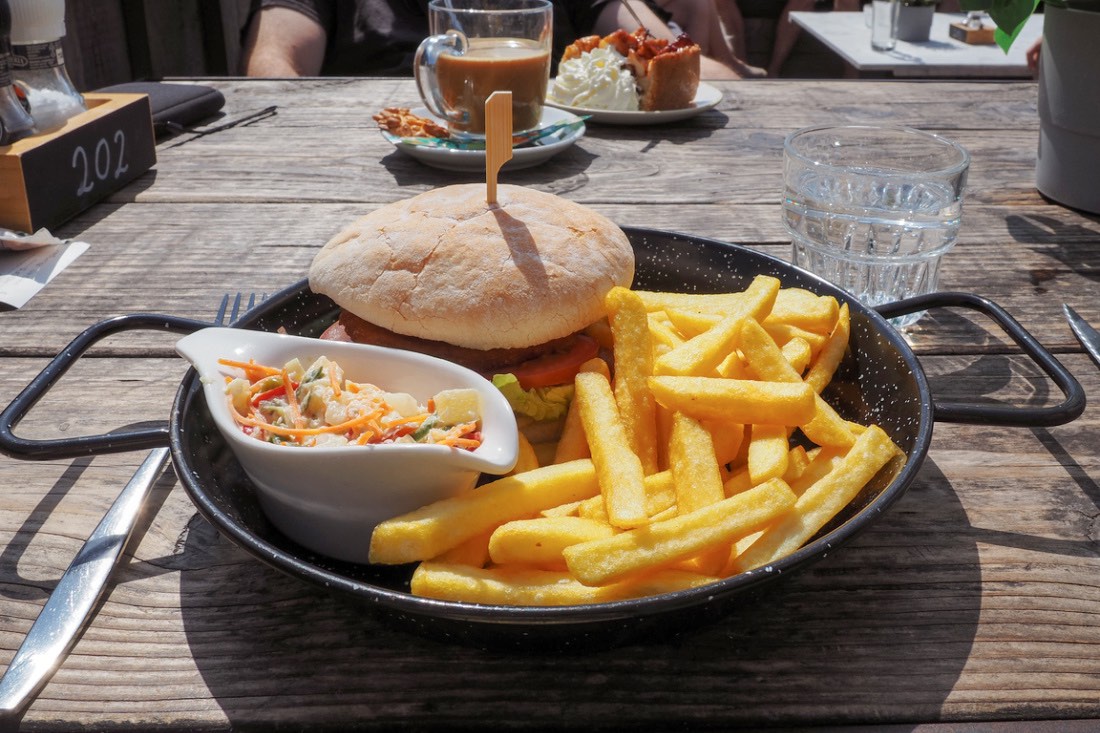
351	327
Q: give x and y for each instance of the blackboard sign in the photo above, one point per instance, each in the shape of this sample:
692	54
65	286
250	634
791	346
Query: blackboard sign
47	179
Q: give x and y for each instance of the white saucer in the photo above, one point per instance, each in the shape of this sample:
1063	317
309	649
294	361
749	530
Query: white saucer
470	160
706	97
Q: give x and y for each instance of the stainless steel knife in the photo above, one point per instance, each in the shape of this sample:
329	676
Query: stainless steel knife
1086	334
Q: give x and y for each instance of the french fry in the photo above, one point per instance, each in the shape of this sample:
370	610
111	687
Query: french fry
621	478
573	444
798	354
604	561
594	508
732	367
784	333
822	462
528	460
764	358
660	493
502	586
692	476
533	587
473	552
727	436
768	363
821	501
797	462
690	323
719	303
801	308
703	353
668	580
540	541
694	466
431	530
744	401
568	509
827	427
697	480
768	451
822	370
818	465
663	334
633	365
738	481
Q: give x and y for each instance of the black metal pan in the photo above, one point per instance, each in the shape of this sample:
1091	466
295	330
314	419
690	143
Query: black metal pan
879	381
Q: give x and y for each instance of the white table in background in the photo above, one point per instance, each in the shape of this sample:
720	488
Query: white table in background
849	35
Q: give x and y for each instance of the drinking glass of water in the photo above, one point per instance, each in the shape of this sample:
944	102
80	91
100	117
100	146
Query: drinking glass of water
873	209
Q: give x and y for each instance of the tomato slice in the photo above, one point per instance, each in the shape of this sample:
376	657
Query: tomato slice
559	368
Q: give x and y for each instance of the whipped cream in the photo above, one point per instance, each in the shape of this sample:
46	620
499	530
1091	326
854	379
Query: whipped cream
597	79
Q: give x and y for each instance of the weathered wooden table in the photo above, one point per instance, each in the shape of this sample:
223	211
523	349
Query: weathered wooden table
975	599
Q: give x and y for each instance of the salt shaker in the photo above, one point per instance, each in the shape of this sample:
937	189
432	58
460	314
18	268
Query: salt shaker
39	63
15	123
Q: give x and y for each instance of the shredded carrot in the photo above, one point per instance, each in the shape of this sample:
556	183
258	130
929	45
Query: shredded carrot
374	422
301	432
411	420
251	368
464	443
454	437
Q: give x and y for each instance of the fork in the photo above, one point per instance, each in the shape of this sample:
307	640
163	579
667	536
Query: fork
69	608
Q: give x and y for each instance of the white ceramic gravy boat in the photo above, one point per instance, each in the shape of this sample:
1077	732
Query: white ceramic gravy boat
329	498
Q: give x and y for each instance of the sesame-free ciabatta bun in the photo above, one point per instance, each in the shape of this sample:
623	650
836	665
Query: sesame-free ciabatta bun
447	266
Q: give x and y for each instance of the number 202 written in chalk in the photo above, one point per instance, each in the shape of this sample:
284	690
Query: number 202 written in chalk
106	161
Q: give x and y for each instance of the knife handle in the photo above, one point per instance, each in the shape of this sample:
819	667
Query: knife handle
70	605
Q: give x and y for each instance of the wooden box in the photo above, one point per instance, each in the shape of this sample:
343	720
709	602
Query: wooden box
47	179
975	36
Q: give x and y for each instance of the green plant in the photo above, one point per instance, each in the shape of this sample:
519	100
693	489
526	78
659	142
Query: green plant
1010	15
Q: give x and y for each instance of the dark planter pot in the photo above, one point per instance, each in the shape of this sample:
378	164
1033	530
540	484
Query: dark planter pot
1068	168
915	22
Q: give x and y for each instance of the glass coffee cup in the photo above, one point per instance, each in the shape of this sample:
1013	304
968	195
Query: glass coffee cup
478	47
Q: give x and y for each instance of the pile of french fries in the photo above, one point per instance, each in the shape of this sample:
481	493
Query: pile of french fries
687	467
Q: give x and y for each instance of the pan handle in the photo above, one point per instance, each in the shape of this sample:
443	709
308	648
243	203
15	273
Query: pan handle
1068	410
116	442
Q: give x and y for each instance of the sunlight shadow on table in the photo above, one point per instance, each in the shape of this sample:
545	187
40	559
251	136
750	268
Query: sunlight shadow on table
276	643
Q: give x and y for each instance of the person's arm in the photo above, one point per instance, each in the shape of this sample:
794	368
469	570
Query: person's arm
281	42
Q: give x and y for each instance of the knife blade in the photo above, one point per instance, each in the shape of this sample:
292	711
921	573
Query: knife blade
69	608
1086	334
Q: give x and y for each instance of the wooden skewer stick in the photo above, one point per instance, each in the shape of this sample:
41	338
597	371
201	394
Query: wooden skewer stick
498	139
634	14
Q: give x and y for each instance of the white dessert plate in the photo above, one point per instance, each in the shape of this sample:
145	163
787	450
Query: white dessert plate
706	97
525	156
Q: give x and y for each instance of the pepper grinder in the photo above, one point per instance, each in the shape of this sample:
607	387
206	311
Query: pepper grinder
39	63
15	123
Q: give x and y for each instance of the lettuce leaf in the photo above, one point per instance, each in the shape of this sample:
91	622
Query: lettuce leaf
541	403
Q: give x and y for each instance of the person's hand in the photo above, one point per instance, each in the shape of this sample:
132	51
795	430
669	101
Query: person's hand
1032	56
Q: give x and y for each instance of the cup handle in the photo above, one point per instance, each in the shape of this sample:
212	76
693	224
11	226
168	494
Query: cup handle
427	53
